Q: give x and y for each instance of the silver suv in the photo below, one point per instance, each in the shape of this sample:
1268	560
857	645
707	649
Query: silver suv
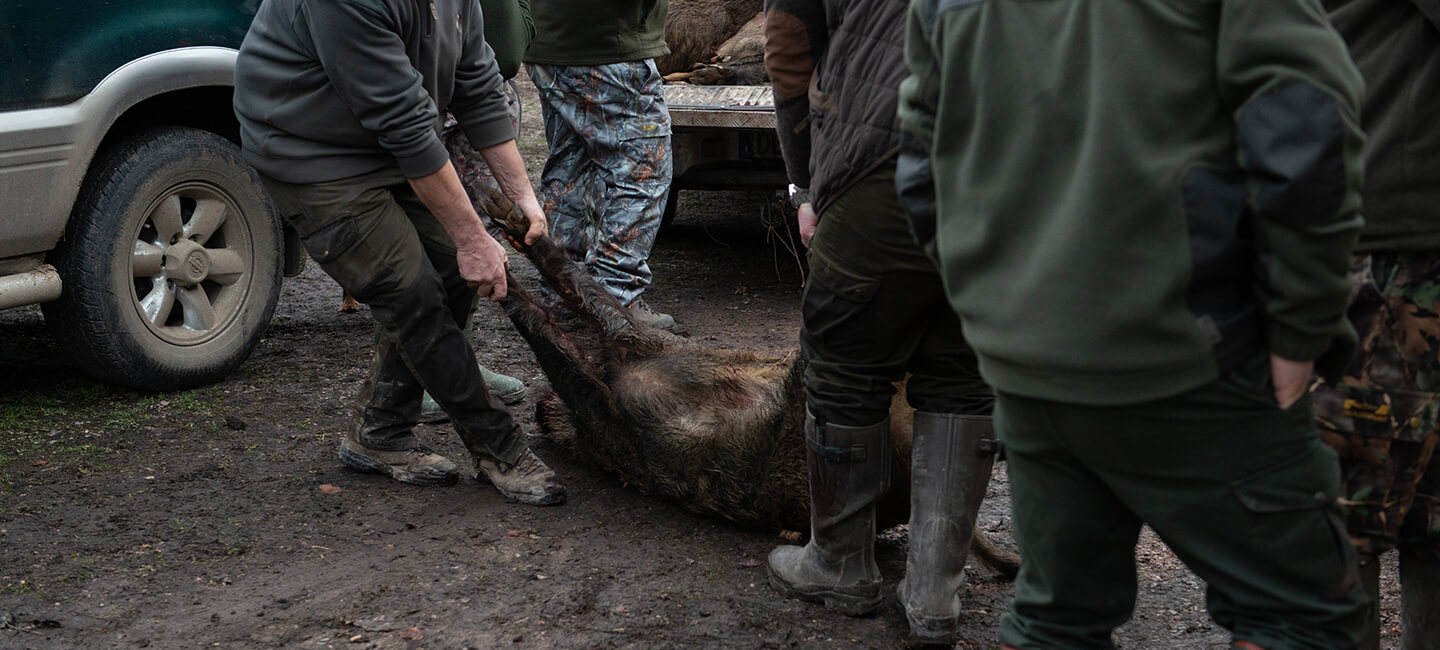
125	208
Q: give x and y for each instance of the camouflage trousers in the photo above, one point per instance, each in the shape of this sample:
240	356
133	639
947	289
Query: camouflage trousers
1382	416
608	175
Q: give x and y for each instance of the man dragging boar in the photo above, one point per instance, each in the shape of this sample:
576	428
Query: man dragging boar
339	105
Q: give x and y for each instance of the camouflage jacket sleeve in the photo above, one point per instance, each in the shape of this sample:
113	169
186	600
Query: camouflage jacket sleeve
1294	95
795	38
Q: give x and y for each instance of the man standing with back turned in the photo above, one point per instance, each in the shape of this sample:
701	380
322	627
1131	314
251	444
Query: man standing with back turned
340	105
1144	214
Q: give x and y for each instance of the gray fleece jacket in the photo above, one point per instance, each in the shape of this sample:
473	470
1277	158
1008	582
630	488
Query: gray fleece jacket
329	89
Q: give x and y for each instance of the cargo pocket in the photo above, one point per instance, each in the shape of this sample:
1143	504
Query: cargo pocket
1292	506
332	240
1348	408
338	247
837	318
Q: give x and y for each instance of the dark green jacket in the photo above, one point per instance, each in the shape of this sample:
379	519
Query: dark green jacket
1396	44
508	31
1135	197
329	89
597	32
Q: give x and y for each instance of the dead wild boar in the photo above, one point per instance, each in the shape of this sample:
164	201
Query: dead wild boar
719	431
695	28
739	61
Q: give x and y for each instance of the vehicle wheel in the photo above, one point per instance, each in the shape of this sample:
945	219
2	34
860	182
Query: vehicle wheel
171	262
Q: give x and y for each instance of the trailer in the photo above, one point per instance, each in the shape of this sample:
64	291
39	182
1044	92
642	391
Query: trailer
723	138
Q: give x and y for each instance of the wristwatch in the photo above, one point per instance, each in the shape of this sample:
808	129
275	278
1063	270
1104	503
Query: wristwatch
799	196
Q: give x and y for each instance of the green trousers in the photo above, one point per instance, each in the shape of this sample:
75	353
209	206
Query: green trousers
1243	492
372	235
874	310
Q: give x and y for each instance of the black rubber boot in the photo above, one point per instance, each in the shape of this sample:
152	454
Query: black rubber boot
1420	599
949	472
849	471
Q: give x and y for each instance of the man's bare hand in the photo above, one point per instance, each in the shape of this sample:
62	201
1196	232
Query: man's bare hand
482	264
539	227
509	170
1291	379
806	219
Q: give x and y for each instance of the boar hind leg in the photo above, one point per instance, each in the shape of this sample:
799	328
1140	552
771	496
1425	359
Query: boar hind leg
580	292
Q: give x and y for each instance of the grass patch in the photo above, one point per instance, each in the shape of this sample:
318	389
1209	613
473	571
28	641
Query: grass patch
53	425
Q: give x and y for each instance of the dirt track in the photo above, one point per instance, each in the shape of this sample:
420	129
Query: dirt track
221	517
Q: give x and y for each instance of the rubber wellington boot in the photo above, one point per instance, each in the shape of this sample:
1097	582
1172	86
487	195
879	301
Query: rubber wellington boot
509	389
949	472
849	471
1420	599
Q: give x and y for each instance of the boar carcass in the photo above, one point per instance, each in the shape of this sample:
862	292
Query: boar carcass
719	431
739	61
695	28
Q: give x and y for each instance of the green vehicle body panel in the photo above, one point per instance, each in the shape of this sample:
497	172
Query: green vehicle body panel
56	51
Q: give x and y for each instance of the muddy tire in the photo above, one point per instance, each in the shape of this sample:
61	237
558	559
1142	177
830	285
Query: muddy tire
171	262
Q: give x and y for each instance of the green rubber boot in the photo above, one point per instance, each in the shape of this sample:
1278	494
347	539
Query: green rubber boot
949	472
509	389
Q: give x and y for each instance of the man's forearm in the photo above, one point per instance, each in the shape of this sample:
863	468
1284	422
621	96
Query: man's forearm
509	171
443	194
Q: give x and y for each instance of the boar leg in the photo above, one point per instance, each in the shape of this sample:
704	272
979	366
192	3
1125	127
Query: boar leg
580	292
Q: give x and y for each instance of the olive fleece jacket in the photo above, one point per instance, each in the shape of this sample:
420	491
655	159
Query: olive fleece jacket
1129	199
329	89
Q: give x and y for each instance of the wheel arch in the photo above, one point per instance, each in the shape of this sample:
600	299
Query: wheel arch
191	86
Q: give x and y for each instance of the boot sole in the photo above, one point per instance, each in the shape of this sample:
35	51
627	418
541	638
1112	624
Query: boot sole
933	631
531	499
366	464
847	604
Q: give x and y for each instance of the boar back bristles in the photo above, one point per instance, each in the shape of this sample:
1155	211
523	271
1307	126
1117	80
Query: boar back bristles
718	431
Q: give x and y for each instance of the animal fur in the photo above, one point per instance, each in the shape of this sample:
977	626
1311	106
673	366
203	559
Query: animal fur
739	61
695	28
719	431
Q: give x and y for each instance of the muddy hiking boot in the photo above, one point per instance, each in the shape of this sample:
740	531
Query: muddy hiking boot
849	472
509	389
641	312
528	480
950	469
418	465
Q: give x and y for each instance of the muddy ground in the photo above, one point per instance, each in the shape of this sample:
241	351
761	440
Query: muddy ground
220	517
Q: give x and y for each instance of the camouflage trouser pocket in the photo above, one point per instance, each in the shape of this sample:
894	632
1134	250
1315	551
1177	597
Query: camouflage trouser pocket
1382	417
